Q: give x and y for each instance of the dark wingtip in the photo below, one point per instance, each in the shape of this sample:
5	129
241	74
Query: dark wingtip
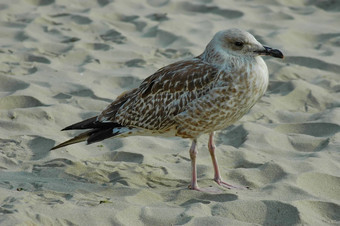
67	128
59	146
85	124
80	138
55	147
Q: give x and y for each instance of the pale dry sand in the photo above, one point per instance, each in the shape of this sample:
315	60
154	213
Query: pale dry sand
62	61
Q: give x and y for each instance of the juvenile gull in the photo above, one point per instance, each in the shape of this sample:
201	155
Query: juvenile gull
189	98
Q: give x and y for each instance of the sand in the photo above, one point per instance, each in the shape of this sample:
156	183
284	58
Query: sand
63	61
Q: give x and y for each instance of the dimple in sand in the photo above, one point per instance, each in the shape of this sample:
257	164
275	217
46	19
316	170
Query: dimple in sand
189	98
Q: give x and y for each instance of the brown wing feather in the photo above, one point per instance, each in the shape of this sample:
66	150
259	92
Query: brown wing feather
112	109
162	95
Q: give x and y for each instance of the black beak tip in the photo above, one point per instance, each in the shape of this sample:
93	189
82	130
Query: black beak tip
273	52
276	53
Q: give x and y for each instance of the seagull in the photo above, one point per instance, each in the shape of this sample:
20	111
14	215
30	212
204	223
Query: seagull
189	98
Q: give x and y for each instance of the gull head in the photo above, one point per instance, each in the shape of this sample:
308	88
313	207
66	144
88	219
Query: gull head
240	43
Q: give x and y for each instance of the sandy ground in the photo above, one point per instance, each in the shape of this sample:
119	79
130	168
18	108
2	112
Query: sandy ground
62	61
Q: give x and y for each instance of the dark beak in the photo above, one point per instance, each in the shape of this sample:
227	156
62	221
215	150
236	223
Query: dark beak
271	52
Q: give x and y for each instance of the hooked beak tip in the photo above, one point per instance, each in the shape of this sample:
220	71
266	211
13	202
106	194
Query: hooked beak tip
271	52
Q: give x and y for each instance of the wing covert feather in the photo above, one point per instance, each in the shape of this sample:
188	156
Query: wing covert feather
163	95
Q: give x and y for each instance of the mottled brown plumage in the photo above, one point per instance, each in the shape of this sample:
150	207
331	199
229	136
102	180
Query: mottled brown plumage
164	95
189	98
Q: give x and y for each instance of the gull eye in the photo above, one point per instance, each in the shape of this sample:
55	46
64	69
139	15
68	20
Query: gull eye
239	44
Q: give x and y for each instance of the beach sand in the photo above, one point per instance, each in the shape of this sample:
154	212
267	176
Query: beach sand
63	61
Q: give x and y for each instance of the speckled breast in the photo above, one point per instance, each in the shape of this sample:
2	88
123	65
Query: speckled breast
233	96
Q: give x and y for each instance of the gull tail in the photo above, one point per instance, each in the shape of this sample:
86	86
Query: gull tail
98	131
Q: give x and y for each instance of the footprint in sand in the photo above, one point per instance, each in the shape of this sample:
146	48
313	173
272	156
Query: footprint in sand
261	176
313	129
328	5
82	91
135	63
165	38
11	85
306	143
206	198
280	87
12	102
103	3
98	46
122	156
80	19
40	2
158	17
113	36
258	212
309	137
320	212
330	38
320	185
173	53
157	3
197	8
140	25
67	17
3	6
38	59
121	82
313	63
234	136
40	147
58	162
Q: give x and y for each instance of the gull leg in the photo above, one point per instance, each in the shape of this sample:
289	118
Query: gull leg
194	185
217	176
193	153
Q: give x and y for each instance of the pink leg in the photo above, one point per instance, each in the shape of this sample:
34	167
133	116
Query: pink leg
217	177
193	153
